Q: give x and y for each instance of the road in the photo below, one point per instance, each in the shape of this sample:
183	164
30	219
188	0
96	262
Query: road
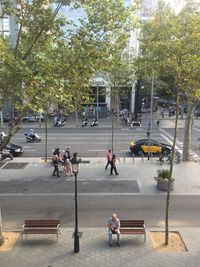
94	142
95	209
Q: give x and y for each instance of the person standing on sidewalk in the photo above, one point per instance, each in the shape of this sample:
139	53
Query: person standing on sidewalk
113	165
113	228
55	164
109	159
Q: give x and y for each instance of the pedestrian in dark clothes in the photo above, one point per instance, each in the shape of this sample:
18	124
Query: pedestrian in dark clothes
55	164
113	165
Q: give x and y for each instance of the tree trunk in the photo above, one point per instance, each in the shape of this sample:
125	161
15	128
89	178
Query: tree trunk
187	132
1	115
46	138
170	175
117	106
1	230
76	113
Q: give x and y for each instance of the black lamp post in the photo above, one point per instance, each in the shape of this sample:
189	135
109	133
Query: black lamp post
75	169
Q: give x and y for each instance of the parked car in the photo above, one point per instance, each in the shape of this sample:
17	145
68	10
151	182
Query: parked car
38	116
142	147
135	123
16	150
29	118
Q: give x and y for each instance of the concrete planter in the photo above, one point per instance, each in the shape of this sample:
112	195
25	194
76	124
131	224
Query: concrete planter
162	184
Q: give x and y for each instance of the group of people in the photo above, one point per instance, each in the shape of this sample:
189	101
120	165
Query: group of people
111	160
62	162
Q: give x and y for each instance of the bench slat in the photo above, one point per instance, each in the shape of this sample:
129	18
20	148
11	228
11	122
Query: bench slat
132	231
39	231
41	222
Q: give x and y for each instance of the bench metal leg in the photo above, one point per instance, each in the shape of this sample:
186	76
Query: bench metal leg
145	237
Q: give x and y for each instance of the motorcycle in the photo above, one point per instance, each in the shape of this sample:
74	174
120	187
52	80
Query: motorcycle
94	123
84	122
32	138
5	153
60	123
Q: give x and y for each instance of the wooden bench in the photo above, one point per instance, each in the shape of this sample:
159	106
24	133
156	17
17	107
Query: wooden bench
133	227
41	227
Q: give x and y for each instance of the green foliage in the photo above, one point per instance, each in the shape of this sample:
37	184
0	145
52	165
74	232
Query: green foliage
170	47
49	63
163	173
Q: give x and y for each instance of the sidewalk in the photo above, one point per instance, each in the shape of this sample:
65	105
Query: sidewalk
35	251
186	181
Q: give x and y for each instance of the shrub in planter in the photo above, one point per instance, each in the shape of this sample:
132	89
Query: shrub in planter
163	180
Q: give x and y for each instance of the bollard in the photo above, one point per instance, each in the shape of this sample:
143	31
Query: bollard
124	158
133	157
142	158
152	158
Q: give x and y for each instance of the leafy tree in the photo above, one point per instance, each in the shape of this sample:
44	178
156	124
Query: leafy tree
48	65
170	45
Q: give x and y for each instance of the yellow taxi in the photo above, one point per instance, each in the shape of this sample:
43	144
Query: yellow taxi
143	146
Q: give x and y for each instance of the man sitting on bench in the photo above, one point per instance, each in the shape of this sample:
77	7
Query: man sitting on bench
113	228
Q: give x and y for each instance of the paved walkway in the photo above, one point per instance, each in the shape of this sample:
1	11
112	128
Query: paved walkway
94	251
186	174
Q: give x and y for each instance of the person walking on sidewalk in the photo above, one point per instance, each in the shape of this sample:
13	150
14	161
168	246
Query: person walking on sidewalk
113	165
109	159
68	168
55	164
113	229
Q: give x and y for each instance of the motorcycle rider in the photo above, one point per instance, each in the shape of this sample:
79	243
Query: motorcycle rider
32	134
2	136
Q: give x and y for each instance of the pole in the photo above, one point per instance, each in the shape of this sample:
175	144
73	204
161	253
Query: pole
76	232
97	102
151	117
1	115
46	137
112	130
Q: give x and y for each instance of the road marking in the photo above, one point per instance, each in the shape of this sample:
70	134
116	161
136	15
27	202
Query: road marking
29	150
67	194
96	150
193	154
170	142
198	130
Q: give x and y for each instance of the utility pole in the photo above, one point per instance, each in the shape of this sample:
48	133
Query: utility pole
97	102
151	118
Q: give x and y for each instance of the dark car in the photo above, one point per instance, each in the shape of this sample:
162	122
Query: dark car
142	147
135	123
16	150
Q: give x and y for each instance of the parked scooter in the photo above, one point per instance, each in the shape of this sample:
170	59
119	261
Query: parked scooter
32	137
94	123
5	153
85	122
60	123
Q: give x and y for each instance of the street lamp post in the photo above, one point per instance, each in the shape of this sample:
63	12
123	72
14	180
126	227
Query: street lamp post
75	170
112	130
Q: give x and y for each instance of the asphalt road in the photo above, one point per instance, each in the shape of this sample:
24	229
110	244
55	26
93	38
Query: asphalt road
94	142
95	209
